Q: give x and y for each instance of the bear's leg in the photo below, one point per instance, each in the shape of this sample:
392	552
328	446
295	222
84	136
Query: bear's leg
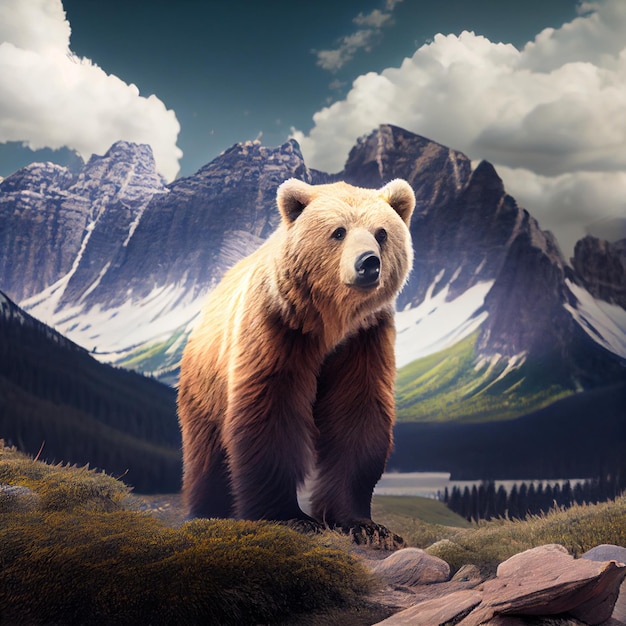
210	495
354	413
206	480
269	432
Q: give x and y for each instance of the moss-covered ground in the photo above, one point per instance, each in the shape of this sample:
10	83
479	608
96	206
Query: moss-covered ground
74	551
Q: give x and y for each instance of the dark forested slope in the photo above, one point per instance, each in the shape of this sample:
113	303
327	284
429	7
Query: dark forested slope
54	396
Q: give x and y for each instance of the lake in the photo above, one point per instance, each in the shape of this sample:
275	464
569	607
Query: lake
427	484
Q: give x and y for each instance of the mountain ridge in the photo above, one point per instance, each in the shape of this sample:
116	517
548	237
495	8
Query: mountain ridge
152	256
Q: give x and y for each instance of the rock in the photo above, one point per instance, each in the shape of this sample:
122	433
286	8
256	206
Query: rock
544	581
601	267
17	499
549	581
410	567
509	620
606	552
612	553
436	612
468	573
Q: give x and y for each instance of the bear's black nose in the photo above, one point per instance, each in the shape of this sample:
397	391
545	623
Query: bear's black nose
367	266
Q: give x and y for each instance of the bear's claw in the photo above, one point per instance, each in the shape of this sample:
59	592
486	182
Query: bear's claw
372	535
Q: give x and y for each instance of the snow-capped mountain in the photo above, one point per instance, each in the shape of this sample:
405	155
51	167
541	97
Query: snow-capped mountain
121	263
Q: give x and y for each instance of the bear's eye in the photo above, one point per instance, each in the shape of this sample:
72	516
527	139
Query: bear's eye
339	233
381	235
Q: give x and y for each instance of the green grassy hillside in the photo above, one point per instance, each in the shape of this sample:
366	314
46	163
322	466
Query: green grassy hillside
454	385
160	360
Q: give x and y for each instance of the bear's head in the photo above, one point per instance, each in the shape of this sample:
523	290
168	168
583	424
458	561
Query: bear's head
346	249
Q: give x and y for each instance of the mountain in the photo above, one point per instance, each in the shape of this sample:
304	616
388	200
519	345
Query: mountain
477	250
65	228
58	401
143	256
121	263
601	268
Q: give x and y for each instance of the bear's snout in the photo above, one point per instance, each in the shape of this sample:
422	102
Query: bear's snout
367	267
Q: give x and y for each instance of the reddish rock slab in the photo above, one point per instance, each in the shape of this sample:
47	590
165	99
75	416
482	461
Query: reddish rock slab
436	612
549	581
544	581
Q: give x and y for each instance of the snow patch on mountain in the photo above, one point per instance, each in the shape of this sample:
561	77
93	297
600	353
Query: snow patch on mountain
112	333
438	323
605	323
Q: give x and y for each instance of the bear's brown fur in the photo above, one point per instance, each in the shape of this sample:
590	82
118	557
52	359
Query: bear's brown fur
291	369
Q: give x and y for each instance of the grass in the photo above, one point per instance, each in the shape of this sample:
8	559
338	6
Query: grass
452	385
578	529
420	521
427	510
158	359
73	551
486	544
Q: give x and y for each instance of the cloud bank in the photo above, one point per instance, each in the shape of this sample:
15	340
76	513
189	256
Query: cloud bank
51	98
550	117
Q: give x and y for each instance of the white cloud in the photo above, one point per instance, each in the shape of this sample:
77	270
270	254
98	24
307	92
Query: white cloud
375	19
363	39
50	98
549	116
335	59
37	25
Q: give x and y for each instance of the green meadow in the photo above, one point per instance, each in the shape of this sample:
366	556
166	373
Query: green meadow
456	385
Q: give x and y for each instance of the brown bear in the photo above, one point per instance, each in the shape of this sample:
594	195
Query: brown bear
291	368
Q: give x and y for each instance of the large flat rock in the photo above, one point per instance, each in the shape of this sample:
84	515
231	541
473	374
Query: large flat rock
544	581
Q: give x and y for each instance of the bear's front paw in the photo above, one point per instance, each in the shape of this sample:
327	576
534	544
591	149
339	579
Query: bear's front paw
372	535
308	526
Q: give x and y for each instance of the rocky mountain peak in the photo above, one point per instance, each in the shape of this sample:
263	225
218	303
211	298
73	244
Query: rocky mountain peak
52	219
391	152
190	235
126	173
601	268
38	178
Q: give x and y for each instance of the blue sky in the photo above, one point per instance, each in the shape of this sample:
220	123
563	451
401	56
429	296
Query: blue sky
532	86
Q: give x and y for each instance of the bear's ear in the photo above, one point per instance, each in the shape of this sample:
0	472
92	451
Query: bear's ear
292	197
399	194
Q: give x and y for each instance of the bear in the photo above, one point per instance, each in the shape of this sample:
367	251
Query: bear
290	371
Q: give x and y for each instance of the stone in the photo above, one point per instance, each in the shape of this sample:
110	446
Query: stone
436	612
410	567
17	499
542	582
607	552
548	581
467	573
